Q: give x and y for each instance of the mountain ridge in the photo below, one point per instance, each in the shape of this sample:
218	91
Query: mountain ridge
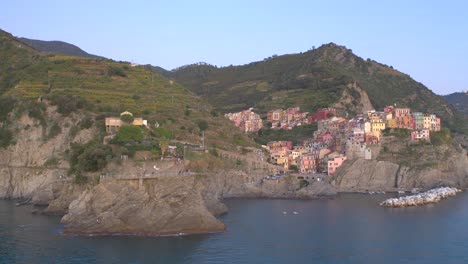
58	47
459	100
312	79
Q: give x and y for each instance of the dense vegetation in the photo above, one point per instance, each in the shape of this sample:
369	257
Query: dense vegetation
92	156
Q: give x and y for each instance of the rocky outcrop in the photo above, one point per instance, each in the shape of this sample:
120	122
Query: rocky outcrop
166	205
63	195
373	175
355	99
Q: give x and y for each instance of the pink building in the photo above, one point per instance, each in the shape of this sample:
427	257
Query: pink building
420	135
358	135
308	163
437	127
247	120
401	112
389	109
335	163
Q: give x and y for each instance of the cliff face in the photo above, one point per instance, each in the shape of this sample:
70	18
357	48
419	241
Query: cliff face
166	205
425	166
36	165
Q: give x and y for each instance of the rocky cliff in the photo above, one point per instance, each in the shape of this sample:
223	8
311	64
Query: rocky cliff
403	167
166	205
35	166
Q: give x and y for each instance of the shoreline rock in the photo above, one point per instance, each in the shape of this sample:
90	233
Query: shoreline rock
431	196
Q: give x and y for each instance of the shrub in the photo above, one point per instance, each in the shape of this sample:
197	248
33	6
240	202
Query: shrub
303	183
214	113
80	179
129	134
6	106
294	168
127	118
54	130
441	137
6	137
86	122
214	152
52	161
116	71
92	156
163	133
66	104
203	125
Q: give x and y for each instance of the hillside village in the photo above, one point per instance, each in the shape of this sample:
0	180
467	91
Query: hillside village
336	138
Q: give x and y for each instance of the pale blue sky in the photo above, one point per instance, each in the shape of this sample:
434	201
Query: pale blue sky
426	39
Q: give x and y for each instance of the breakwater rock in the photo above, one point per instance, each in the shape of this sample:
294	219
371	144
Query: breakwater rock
431	196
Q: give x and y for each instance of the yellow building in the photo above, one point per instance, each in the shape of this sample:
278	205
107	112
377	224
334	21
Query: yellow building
377	124
113	124
392	123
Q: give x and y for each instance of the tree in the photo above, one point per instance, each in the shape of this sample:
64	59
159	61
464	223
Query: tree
127	118
294	168
203	125
129	134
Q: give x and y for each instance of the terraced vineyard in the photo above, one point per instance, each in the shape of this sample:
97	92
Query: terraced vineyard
111	87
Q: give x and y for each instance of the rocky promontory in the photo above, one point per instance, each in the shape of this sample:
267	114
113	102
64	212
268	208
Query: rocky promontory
166	205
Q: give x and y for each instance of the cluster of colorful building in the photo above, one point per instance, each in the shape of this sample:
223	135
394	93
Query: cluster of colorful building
287	119
246	120
338	139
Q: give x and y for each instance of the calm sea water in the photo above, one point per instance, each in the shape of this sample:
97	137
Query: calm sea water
348	229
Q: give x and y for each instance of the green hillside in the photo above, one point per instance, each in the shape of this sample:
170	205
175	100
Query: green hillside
313	79
108	88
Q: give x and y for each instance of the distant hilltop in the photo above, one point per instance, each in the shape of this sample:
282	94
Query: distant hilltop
58	47
459	101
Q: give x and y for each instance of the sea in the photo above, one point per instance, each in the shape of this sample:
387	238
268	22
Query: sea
350	228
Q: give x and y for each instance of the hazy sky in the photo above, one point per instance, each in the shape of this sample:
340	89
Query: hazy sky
426	39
